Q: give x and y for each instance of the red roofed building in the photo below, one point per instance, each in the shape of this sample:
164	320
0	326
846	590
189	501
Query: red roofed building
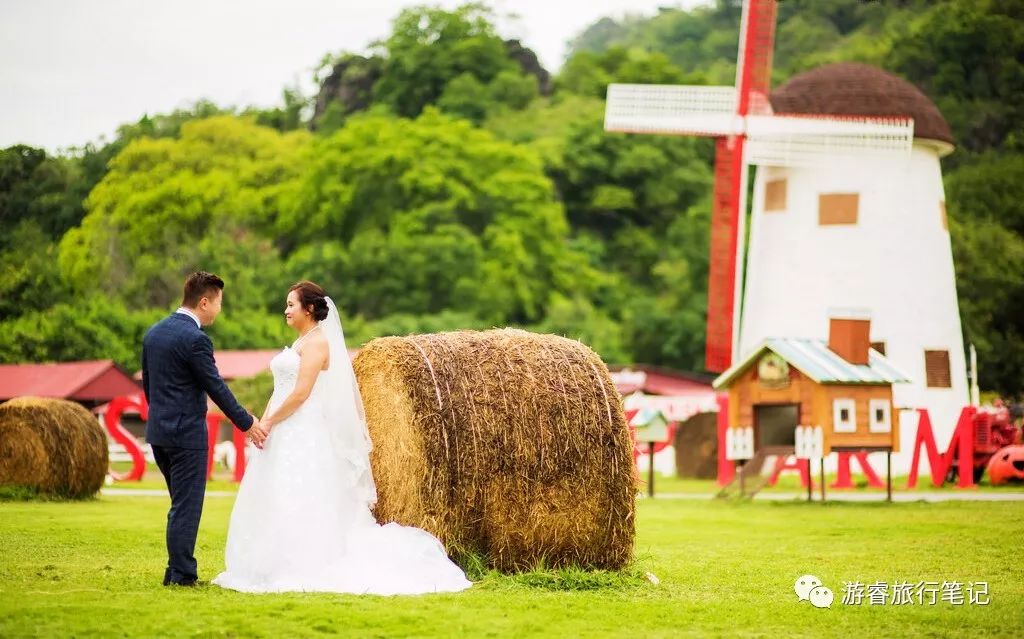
676	394
685	399
88	383
238	364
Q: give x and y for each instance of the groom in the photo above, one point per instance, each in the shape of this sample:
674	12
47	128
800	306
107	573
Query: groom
178	371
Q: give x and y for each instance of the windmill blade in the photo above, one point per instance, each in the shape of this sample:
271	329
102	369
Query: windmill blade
667	109
754	59
794	140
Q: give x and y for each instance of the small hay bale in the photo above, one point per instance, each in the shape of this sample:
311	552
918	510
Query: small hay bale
502	443
696	447
53	446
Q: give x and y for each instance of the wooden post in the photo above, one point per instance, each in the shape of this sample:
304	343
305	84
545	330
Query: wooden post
742	463
650	470
810	481
822	463
888	475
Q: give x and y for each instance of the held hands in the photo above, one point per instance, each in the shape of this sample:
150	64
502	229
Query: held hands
257	433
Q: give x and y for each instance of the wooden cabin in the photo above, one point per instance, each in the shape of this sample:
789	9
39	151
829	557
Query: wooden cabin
842	386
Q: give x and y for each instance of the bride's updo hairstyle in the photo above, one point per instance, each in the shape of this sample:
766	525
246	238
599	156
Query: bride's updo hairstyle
312	297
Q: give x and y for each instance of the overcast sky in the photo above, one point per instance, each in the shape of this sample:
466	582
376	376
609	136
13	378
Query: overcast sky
73	70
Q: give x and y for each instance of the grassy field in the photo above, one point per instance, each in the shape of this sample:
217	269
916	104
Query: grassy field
725	569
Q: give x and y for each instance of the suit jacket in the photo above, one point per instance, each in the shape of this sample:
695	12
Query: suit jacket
178	372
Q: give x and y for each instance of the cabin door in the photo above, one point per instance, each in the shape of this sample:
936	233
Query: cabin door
775	424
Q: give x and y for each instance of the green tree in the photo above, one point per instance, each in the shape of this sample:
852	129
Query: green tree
543	123
346	87
287	117
413	269
324	261
990	283
612	180
986	212
39	188
359	330
513	89
969	58
29	277
578	318
95	158
701	42
93	328
433	199
589	73
430	47
666	325
170	206
465	97
583	74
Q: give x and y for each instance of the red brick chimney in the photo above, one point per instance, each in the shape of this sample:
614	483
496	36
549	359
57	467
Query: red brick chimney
850	339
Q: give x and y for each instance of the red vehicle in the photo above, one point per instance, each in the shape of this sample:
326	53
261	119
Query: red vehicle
993	430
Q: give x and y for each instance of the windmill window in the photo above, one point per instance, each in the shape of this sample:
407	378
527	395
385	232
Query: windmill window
775	195
844	416
942	215
838	208
936	368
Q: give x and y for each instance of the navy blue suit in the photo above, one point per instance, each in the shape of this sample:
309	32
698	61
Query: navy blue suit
178	372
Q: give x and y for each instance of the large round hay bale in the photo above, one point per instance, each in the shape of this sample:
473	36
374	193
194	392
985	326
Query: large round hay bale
502	443
53	446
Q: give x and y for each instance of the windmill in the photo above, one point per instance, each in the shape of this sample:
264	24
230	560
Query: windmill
746	132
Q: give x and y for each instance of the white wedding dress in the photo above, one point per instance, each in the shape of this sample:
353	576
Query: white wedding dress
302	519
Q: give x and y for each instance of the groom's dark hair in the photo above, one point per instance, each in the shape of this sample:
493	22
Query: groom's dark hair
200	285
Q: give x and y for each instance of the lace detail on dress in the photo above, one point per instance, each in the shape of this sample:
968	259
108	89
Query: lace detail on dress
285	368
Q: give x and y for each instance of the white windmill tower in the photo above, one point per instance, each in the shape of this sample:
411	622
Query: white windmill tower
848	213
865	236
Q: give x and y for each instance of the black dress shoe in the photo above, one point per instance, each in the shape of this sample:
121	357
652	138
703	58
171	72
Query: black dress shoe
196	583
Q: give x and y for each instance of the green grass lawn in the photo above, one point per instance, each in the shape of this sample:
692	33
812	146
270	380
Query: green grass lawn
726	568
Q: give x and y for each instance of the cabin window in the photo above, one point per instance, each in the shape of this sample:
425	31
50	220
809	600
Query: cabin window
838	208
881	416
844	416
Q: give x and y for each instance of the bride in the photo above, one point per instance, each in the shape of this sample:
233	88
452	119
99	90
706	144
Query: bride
302	519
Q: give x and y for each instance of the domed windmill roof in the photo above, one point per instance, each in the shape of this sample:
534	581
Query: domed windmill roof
849	88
